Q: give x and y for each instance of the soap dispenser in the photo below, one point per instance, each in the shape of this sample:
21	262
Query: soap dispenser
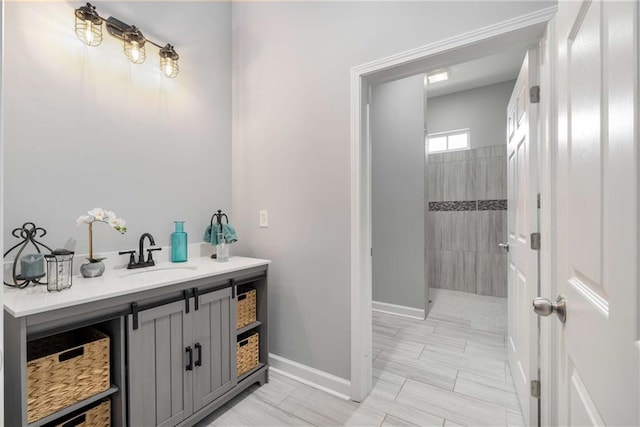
222	249
179	243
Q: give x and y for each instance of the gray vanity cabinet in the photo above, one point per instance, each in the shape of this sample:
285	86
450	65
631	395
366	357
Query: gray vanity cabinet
159	385
172	346
214	347
181	361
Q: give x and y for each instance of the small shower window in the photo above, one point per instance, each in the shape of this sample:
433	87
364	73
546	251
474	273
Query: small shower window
448	141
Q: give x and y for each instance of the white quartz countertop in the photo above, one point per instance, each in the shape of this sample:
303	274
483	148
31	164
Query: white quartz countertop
113	283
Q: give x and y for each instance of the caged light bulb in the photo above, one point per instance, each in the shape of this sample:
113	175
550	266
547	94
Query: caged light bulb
135	52
88	25
169	61
88	34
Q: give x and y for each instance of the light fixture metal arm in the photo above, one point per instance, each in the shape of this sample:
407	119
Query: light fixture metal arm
154	43
116	28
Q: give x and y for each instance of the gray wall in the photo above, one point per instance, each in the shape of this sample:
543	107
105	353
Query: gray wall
482	110
83	127
397	175
467	218
291	147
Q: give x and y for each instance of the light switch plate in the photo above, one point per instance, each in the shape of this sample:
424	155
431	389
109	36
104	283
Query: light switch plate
264	219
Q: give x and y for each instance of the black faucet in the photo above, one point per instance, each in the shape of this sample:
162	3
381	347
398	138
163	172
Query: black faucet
141	247
141	262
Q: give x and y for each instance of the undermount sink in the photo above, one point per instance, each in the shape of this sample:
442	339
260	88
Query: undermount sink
166	271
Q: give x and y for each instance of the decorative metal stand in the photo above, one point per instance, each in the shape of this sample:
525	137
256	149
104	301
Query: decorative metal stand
218	216
28	233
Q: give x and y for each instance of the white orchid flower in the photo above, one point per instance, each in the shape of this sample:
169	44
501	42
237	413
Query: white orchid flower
118	224
97	213
83	218
100	215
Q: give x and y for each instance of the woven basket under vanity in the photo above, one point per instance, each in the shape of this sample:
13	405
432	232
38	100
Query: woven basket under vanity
246	308
65	369
97	416
247	353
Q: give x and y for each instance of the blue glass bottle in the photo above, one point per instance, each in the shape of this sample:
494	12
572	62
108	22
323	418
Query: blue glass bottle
179	243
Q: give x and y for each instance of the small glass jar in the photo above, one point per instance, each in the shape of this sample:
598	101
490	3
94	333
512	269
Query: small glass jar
59	270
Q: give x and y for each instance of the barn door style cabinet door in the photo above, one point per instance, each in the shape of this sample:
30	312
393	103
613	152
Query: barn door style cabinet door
214	347
181	357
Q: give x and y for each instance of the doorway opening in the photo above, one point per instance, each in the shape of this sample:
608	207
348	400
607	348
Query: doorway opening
514	35
439	200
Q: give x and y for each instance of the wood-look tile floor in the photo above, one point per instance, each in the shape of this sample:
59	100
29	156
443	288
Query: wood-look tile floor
448	370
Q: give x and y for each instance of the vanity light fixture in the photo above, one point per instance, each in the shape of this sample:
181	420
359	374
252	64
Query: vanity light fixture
438	76
89	30
88	25
134	45
169	61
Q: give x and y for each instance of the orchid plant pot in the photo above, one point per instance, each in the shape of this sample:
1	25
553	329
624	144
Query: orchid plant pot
93	268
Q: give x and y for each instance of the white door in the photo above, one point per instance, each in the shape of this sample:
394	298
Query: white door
522	186
597	213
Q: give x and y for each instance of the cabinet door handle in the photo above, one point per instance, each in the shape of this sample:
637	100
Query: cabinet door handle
67	355
189	366
76	421
196	298
199	348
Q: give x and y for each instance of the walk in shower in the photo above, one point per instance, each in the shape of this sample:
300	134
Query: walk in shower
466	219
466	190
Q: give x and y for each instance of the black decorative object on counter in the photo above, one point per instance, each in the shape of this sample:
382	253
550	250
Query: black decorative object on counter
28	234
218	217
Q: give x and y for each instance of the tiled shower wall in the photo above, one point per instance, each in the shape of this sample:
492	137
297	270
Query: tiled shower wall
466	219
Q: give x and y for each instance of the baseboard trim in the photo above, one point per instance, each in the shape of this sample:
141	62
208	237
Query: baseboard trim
310	376
398	310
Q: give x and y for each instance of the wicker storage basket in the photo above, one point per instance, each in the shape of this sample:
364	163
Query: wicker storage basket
98	416
247	351
64	369
246	308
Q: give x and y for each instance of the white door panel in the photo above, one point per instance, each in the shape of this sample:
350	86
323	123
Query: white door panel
586	152
582	409
522	226
597	212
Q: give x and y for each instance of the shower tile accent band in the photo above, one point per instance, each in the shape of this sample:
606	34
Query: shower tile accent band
492	205
469	205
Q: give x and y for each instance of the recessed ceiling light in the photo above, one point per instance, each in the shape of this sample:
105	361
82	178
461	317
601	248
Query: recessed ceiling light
438	76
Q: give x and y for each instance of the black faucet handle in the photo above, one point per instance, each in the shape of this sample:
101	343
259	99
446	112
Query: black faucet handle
132	259
150	252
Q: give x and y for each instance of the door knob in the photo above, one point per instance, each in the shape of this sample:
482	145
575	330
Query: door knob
544	307
504	246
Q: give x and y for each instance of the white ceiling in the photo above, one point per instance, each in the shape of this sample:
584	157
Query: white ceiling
484	71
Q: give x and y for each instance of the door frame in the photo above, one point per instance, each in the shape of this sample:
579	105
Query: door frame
362	76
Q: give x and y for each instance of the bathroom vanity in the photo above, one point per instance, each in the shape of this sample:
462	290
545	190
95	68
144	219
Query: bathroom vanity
173	339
